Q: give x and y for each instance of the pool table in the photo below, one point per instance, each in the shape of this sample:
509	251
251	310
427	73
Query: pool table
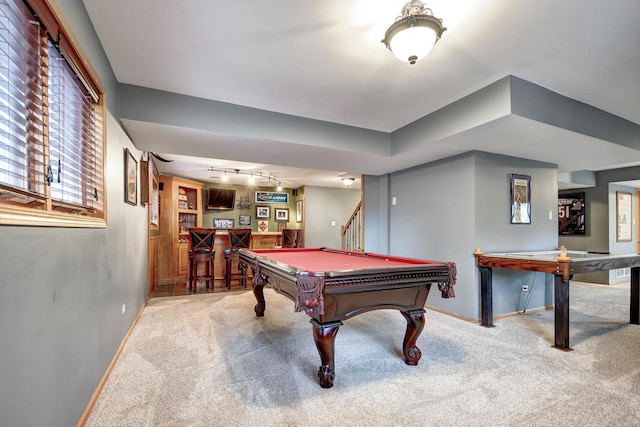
333	285
563	264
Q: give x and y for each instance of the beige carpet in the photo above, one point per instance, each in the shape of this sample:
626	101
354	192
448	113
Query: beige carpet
207	360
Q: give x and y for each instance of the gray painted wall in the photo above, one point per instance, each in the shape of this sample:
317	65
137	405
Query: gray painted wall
61	300
62	290
322	206
376	220
448	208
600	208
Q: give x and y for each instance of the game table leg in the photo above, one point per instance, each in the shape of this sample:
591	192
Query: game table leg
324	335
415	324
486	296
561	313
634	307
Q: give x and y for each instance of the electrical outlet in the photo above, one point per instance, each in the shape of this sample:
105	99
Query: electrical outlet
525	288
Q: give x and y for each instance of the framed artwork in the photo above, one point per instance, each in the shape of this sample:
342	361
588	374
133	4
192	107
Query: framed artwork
222	223
282	214
271	197
154	202
154	210
282	226
244	219
623	216
130	178
263	225
144	182
299	211
571	214
263	211
520	199
244	203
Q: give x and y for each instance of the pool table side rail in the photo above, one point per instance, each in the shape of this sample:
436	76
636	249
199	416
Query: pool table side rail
414	265
349	296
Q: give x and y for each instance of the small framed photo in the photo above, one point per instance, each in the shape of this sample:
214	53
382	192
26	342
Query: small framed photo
520	199
624	208
130	178
263	211
222	223
282	214
263	225
299	211
244	219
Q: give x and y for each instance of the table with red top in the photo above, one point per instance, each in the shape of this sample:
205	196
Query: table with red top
333	285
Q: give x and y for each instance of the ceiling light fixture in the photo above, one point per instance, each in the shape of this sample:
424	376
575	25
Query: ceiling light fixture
348	181
412	36
253	176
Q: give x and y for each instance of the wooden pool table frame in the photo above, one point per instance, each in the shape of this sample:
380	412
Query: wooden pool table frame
348	293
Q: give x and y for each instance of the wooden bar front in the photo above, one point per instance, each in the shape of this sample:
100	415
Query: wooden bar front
259	240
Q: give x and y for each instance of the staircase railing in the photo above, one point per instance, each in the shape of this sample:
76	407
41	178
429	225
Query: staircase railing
352	236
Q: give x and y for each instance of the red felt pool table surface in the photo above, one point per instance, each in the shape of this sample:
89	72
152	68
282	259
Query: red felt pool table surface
319	260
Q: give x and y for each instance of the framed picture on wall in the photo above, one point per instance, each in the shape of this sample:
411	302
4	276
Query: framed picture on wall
623	216
520	199
130	178
282	214
244	219
263	211
299	211
223	223
571	214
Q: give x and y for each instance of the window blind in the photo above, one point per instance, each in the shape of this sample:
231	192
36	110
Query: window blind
51	115
22	153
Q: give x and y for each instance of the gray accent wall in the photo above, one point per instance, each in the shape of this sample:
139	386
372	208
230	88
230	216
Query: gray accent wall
600	211
231	121
62	289
376	220
323	206
446	209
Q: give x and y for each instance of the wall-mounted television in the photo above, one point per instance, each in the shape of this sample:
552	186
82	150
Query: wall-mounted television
220	199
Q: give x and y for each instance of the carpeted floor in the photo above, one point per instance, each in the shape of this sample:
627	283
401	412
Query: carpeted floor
207	360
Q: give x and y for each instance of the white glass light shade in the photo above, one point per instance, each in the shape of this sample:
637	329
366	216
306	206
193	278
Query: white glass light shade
412	36
413	43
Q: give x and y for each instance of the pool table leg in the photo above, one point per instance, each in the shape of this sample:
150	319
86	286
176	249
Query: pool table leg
258	285
415	324
324	334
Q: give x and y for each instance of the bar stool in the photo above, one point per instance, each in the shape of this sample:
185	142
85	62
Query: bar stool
299	238
239	238
201	244
289	236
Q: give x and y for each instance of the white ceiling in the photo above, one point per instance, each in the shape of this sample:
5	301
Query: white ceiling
323	59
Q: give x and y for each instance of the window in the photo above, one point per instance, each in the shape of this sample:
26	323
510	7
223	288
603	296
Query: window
51	122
